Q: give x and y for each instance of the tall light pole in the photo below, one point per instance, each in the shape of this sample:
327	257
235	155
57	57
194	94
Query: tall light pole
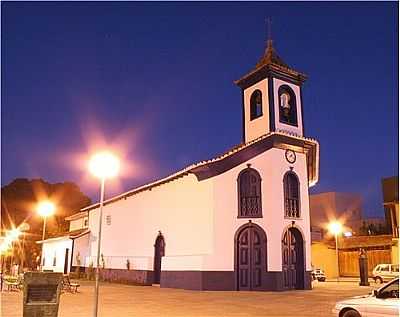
103	165
336	228
45	209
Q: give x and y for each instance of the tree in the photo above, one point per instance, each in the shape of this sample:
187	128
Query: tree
368	229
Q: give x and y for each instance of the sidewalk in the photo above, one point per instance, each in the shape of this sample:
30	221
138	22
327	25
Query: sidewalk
350	280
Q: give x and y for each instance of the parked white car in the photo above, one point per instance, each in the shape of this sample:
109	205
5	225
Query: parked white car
383	302
385	272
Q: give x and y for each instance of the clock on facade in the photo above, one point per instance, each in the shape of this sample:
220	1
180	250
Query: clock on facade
290	156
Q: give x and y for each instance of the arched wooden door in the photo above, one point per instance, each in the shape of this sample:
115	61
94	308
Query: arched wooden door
293	259
159	252
250	257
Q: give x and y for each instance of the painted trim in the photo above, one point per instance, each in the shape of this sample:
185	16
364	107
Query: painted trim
266	70
274	141
243	118
198	280
271	103
301	109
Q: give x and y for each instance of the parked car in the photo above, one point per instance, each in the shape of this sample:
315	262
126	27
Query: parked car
383	302
385	272
319	275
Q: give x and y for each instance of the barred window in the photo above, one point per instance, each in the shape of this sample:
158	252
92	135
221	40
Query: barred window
255	105
287	105
291	189
249	193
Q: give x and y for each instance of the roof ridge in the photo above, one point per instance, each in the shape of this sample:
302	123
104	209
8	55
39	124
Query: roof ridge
188	168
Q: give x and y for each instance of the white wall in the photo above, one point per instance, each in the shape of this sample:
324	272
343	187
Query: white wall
81	246
272	166
259	126
181	210
199	220
56	248
282	126
77	224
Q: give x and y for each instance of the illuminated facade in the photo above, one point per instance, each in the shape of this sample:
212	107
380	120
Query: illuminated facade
239	221
390	190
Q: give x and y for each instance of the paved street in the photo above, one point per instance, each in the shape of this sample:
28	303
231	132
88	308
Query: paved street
123	300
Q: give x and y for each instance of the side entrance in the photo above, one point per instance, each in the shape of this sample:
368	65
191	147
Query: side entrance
159	252
293	259
250	257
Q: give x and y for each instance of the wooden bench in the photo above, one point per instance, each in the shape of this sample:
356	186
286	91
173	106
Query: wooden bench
68	286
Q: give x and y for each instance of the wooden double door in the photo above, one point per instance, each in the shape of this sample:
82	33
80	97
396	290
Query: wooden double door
250	258
293	259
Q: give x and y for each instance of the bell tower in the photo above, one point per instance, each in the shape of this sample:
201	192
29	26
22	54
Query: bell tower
272	99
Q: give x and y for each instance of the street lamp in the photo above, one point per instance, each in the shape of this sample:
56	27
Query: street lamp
14	234
45	209
102	165
336	228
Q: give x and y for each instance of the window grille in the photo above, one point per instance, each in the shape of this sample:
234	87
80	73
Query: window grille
291	195
249	192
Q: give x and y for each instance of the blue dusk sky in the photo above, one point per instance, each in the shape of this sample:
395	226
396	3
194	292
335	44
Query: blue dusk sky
155	82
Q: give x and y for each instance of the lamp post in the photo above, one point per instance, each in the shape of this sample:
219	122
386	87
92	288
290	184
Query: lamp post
14	235
45	209
336	228
102	165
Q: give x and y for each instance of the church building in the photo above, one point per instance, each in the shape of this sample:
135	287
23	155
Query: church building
239	221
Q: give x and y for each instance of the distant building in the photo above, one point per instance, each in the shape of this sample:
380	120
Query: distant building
323	254
329	206
390	190
57	252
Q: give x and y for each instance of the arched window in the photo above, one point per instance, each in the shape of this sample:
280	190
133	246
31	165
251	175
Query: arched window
291	190
287	105
249	194
255	104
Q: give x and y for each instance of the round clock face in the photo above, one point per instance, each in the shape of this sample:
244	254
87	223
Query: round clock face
290	156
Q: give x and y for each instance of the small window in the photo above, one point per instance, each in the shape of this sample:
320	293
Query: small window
395	268
55	260
287	105
249	194
384	268
255	105
291	190
86	222
108	220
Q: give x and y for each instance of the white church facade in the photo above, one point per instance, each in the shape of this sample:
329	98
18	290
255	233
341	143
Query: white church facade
239	221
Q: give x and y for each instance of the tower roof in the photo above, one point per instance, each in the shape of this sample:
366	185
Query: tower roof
270	62
271	57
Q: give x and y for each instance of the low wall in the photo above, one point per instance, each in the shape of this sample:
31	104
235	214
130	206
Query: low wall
124	276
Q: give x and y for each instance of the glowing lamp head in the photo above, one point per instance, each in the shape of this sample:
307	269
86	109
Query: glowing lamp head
104	165
335	228
14	234
46	208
